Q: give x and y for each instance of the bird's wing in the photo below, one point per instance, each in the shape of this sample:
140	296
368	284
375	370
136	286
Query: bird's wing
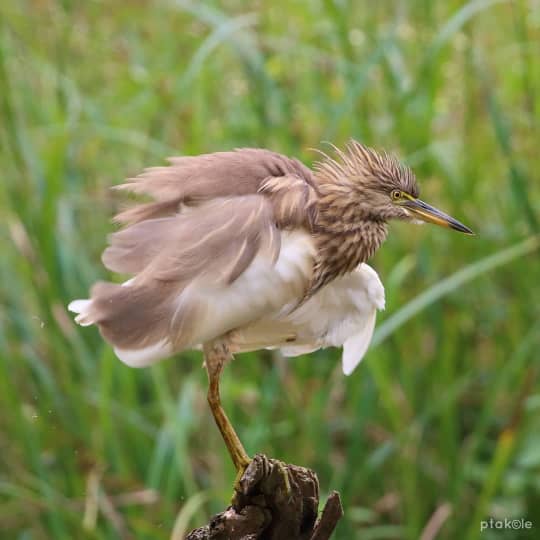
342	313
224	240
198	275
192	180
356	345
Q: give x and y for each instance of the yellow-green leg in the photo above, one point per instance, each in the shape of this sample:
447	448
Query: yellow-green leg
215	356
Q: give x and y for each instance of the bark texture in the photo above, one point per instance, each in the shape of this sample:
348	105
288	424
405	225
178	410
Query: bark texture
274	501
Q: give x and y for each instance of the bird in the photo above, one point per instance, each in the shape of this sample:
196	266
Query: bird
249	249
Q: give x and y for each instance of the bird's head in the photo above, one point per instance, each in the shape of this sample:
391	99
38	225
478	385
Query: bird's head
380	187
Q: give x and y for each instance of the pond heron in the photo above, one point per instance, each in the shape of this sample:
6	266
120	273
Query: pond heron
248	249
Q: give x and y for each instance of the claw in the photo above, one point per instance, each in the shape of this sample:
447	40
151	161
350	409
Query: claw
284	472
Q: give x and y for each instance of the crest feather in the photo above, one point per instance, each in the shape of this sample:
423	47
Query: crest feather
359	163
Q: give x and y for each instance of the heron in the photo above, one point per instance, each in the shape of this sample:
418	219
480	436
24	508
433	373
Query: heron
249	249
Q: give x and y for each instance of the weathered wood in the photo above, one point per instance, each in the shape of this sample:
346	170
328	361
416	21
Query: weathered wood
274	501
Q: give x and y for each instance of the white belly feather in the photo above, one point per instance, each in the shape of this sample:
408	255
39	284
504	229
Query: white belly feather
341	314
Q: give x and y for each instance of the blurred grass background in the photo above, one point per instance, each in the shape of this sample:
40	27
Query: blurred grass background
439	427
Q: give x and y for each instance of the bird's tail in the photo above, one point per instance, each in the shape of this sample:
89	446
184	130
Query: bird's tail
82	307
133	319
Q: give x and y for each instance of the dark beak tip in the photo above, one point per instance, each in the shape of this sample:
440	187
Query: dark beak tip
463	229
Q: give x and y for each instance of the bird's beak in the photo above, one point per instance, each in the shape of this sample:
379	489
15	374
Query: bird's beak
425	212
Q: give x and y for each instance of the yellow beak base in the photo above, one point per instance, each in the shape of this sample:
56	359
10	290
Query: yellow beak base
430	214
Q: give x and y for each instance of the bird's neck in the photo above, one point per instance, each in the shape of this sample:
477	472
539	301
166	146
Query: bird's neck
344	236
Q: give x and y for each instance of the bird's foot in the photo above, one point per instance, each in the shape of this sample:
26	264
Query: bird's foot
242	467
276	476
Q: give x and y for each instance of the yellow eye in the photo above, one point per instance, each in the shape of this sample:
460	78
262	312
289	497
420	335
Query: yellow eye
396	195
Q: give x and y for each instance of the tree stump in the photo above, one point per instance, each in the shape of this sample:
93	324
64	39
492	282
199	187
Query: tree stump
274	501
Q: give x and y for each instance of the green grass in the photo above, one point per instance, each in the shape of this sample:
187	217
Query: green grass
444	410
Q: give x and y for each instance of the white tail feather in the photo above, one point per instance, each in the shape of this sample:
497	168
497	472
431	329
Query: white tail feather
81	307
138	358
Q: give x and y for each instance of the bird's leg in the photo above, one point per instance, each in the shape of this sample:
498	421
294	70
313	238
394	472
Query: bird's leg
215	356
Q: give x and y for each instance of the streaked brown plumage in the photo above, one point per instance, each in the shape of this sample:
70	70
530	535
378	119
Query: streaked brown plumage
234	246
